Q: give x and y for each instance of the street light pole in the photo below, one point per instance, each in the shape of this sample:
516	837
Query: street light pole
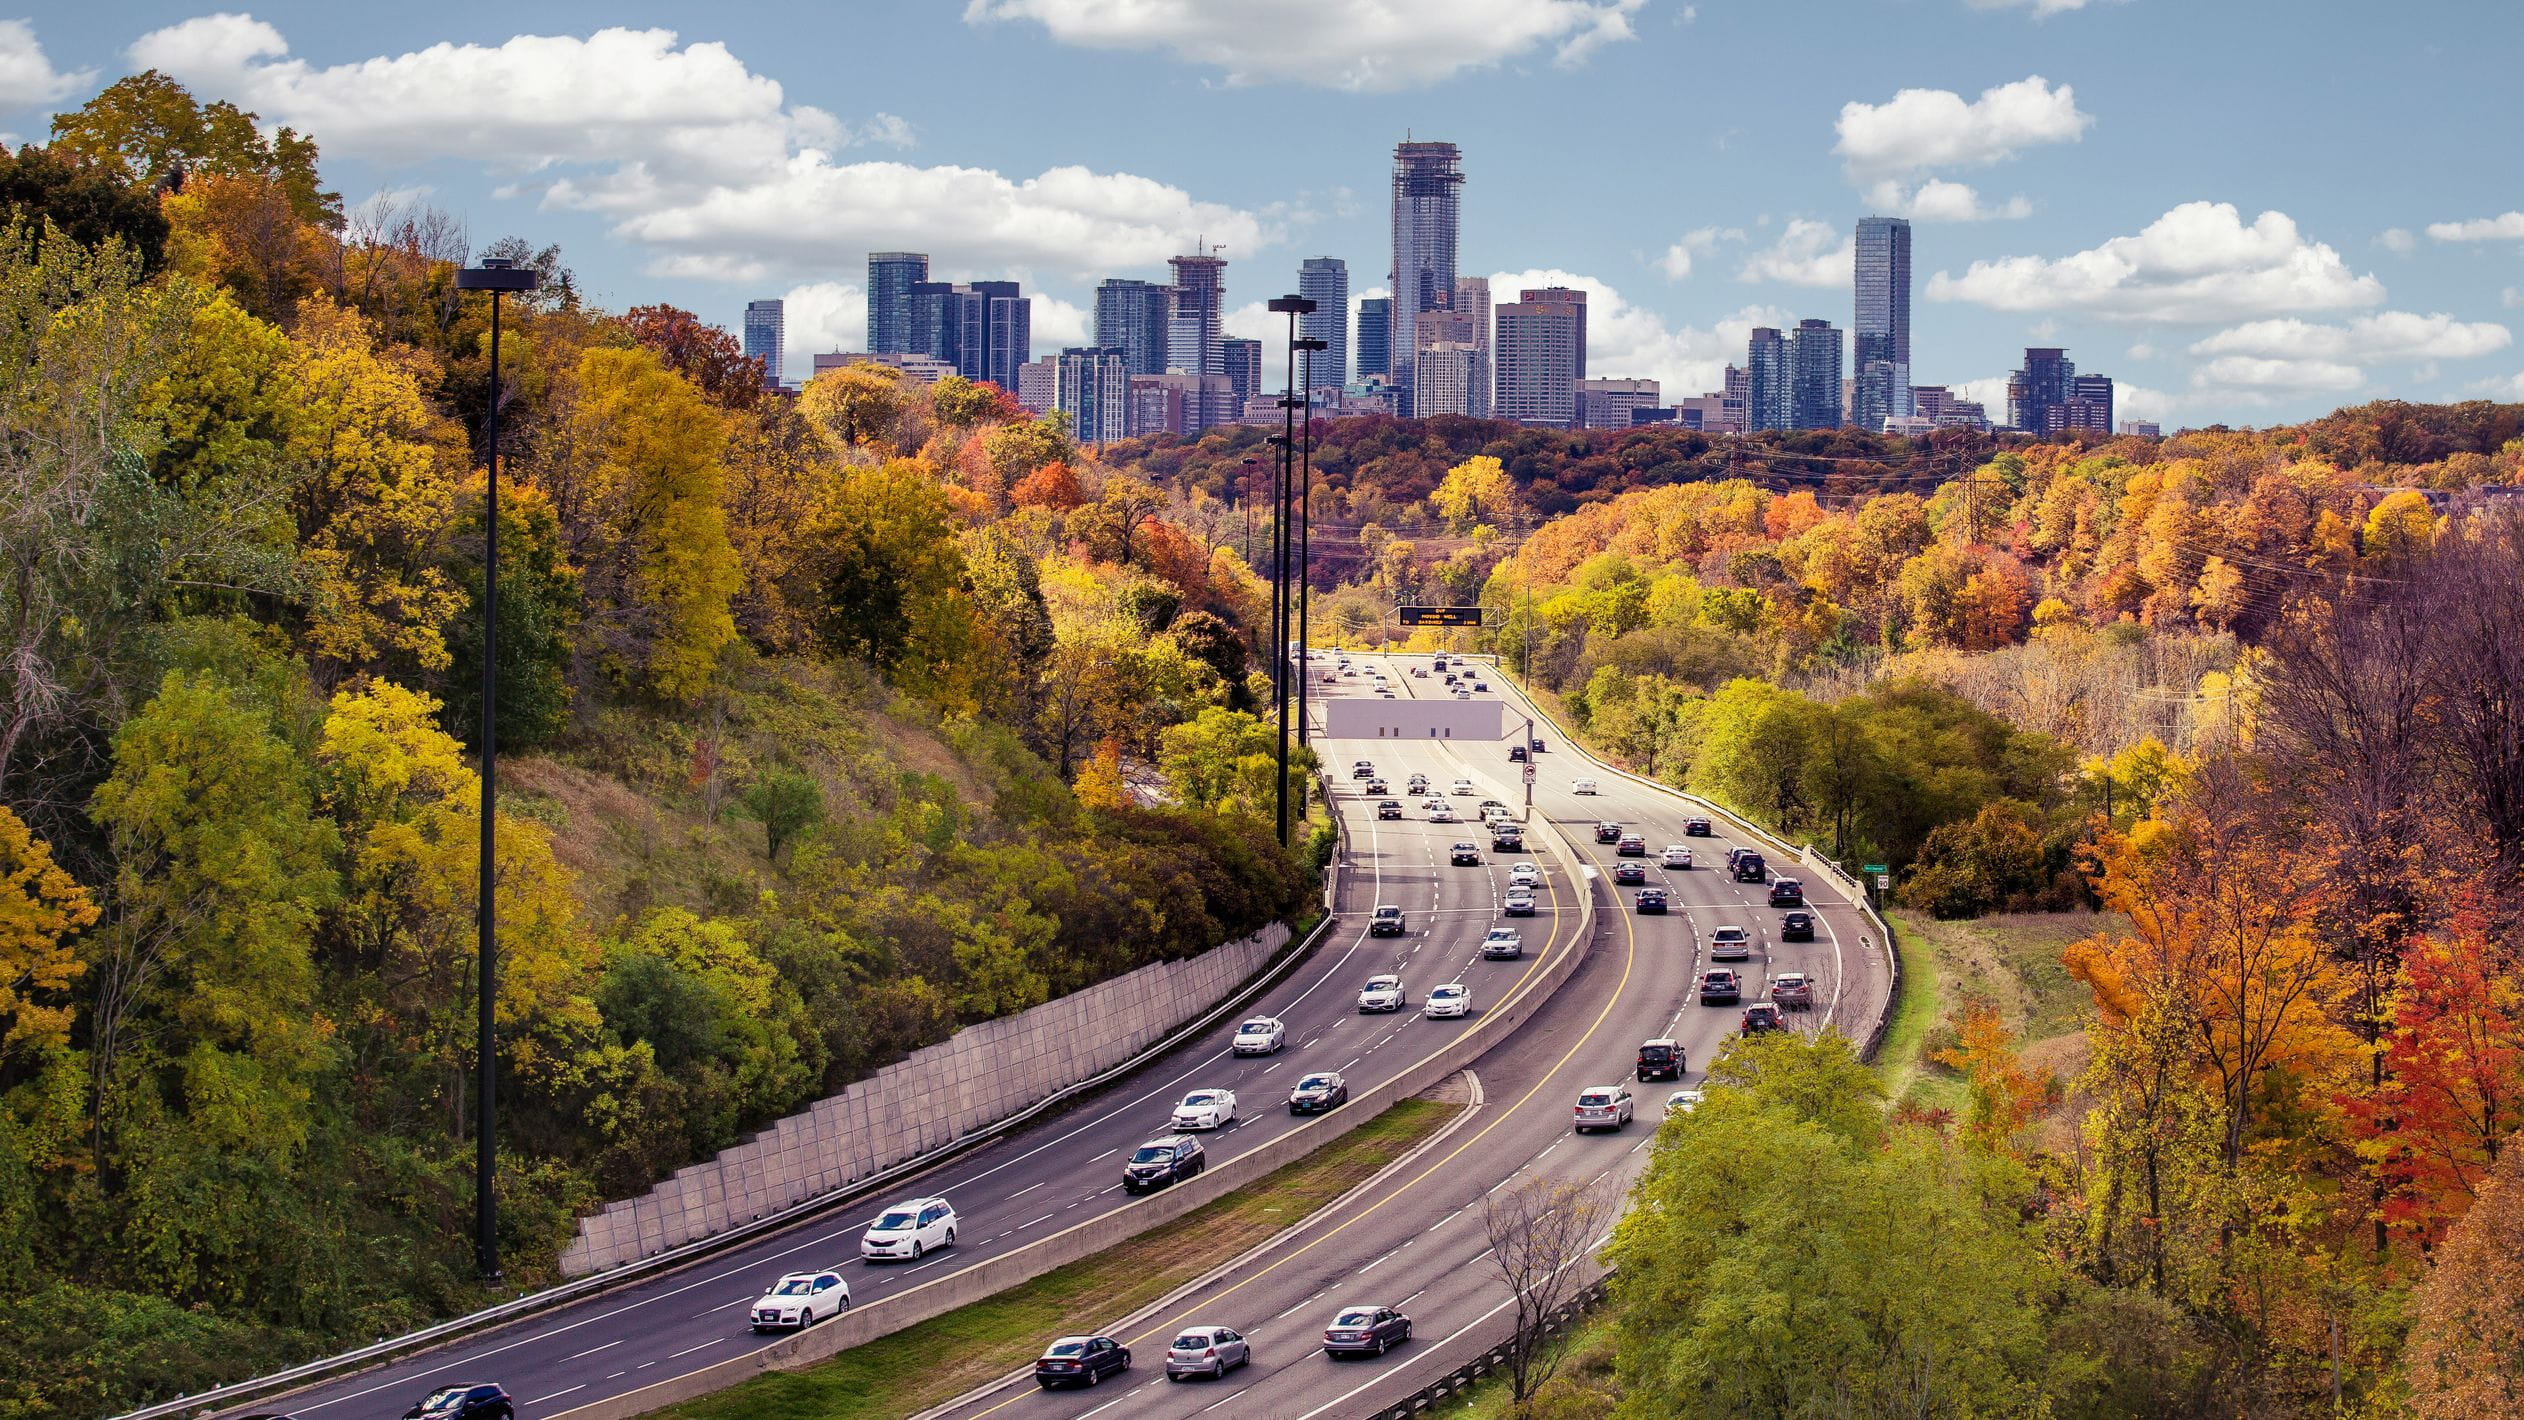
1305	526
499	276
1293	306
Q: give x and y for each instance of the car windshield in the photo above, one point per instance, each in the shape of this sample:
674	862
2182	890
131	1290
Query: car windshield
440	1399
1381	983
1153	1154
1448	991
1196	1100
1192	1341
898	1218
1315	1082
1257	1028
1067	1347
1354	1317
794	1287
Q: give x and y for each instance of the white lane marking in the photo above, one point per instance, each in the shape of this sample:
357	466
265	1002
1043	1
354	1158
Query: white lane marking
592	1350
617	1375
704	1346
556	1395
1029	1188
1100	1158
1030	1222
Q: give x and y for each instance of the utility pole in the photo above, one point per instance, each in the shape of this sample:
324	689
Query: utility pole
1305	527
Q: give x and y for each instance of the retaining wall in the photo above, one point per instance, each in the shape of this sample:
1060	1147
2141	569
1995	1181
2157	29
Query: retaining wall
938	1094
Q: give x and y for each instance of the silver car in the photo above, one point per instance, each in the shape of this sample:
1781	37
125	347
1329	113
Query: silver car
1210	1351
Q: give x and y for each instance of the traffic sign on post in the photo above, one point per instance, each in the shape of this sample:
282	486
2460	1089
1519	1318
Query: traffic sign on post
1440	615
1529	774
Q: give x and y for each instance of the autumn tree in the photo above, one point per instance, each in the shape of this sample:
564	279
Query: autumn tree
2452	1096
2466	1354
90	202
152	129
1477	490
857	406
42	911
704	354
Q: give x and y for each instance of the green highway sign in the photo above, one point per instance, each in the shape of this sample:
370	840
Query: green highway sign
1440	615
1875	868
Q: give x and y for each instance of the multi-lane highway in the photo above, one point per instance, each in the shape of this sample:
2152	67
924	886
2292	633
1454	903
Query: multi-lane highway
1417	1241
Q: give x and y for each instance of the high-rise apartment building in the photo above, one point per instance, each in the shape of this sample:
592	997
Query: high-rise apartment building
1094	390
766	324
985	329
1325	280
2089	404
1814	355
1607	404
1038	386
1882	359
1130	316
1375	337
1428	183
2038	394
1768	402
1240	361
891	275
1472	301
1443	382
1541	356
1008	332
1193	334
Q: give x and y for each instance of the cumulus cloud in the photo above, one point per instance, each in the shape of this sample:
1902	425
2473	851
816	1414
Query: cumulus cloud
691	153
2386	337
1808	253
1700	241
2507	226
1939	200
27	78
1627	341
2510	387
2131	401
2198	263
2249	375
1919	129
822	318
1359	45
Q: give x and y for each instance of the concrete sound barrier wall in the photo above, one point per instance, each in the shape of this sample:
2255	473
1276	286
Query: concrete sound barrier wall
937	1095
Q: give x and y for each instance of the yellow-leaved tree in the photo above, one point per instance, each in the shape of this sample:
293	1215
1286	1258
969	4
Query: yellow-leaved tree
41	909
1474	492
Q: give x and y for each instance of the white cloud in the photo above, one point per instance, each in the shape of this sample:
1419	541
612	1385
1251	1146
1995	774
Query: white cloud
27	78
2248	376
2044	330
1990	390
2505	227
1626	341
1057	324
822	318
2509	388
2197	263
1928	128
2142	351
1939	200
2042	9
2511	297
1377	45
2131	401
1808	253
1700	241
2397	240
2387	336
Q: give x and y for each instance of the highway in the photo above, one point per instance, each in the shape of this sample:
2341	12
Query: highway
1417	1242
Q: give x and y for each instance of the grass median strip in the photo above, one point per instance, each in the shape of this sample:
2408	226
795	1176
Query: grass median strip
943	1357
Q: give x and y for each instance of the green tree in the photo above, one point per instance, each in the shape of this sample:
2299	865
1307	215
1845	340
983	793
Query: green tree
91	202
539	609
786	804
857	406
1226	761
892	572
1018	449
153	130
1755	740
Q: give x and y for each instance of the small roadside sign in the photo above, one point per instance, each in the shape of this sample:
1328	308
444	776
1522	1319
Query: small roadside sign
1529	774
1878	869
1884	882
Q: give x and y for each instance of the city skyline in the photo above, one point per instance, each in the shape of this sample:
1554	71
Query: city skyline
2211	258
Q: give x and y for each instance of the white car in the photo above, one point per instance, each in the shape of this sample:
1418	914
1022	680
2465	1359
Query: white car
1260	1036
1382	993
800	1300
1676	856
1501	944
1452	999
1442	812
1206	1109
1460	786
1524	875
909	1230
1582	786
1730	944
1682	1102
1602	1107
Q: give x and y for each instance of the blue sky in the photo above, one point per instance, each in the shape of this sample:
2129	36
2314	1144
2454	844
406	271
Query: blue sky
2246	211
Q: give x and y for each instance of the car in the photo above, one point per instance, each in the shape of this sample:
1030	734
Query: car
1730	944
1602	1107
1583	786
1608	832
795	1302
1507	836
1382	993
1793	991
1797	927
1417	784
1661	1059
1385	694
1318	1091
474	1401
1719	987
1631	846
1460	786
1516	754
1451	679
1365	1331
1389	809
1438	662
1524	875
1538	744
1441	812
1452	999
1466	854
1503	944
1362	769
1519	902
1421	671
1493	806
1205	1109
1761	1017
1263	1035
1481	685
1630	874
1651	900
1750	868
1081	1360
1385	921
1682	1102
1375	786
1210	1351
1164	1161
1695	828
1675	856
909	1231
1787	892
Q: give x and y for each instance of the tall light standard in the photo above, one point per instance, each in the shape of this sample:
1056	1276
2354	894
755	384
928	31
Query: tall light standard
1305	520
1293	307
499	276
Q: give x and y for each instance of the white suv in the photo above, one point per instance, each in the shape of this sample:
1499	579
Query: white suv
800	1300
908	1230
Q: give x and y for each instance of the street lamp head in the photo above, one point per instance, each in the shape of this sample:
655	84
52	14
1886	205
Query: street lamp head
1293	305
497	273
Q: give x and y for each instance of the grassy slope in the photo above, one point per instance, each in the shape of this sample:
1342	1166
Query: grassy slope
2011	960
939	1359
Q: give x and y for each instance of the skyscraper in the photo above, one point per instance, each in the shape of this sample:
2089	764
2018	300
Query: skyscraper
2038	394
1325	280
1541	356
891	275
765	324
1130	316
1428	185
1883	329
1472	301
1193	334
983	328
1375	337
2090	404
1094	389
1814	355
1451	337
1767	402
1007	333
1240	361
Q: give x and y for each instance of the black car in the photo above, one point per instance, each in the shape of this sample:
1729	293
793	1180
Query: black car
1652	900
1749	868
1163	1161
1608	832
1081	1360
1787	892
1389	809
1797	927
1537	744
463	1402
1320	1091
1630	874
1696	828
1515	754
1719	988
1661	1060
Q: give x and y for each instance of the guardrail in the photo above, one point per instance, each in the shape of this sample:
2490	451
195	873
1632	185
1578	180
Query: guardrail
1460	1381
281	1383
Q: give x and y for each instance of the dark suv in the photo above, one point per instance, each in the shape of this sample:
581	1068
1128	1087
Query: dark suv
1608	832
1163	1161
1797	927
1719	988
463	1402
1787	892
1749	868
1661	1060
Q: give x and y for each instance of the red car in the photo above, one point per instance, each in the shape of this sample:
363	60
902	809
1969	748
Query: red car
1762	1016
